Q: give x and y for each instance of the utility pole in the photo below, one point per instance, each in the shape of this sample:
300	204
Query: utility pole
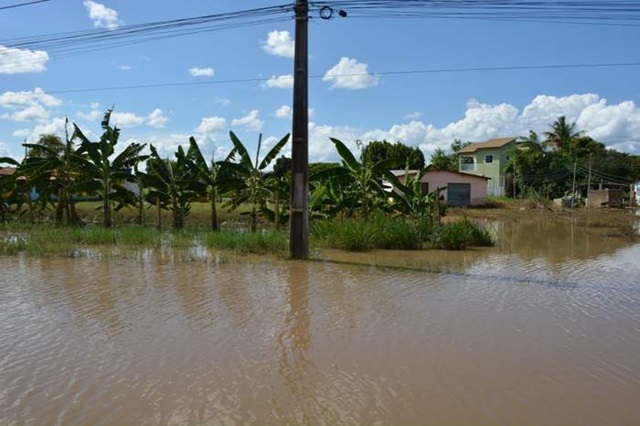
299	211
573	186
589	182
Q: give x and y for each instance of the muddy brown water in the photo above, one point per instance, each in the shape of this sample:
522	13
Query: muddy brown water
543	330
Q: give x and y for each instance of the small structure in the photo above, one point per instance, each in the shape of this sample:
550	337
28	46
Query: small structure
488	159
462	189
609	197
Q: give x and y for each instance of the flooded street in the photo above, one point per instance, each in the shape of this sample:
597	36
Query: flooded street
542	330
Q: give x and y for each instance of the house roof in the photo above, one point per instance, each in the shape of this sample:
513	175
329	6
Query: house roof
491	143
5	171
430	169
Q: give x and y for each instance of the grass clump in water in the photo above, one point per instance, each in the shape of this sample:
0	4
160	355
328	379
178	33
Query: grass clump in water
375	232
272	242
461	234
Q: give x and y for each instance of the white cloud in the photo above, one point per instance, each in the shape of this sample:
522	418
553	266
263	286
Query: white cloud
279	43
221	101
210	125
28	105
55	127
22	61
157	119
350	74
250	121
126	119
92	115
201	72
280	82
413	116
28	98
284	111
4	150
31	113
125	67
616	125
102	16
167	145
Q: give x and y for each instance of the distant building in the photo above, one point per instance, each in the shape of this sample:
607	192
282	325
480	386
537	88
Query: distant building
488	159
462	189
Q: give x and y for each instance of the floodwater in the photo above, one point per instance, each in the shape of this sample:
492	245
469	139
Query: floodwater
543	330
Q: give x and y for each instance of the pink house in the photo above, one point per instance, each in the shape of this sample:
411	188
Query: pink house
462	189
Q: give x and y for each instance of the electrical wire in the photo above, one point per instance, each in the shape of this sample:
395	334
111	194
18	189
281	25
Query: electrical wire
320	76
13	6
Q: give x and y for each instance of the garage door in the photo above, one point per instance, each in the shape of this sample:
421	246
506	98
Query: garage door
459	194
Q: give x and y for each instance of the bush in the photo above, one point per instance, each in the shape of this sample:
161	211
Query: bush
460	235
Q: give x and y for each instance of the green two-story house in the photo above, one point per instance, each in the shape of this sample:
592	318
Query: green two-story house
488	159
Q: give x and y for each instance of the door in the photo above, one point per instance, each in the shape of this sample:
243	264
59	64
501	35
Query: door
458	194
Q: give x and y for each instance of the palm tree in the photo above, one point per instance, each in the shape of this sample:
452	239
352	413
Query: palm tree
561	133
103	174
248	175
364	179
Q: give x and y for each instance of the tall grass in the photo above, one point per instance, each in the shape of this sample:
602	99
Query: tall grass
461	234
375	232
267	242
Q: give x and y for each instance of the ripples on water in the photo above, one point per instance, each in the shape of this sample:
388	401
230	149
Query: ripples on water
510	337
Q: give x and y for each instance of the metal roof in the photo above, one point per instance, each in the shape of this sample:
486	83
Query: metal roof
491	143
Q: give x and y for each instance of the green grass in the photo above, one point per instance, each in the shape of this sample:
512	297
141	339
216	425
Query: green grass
375	232
266	242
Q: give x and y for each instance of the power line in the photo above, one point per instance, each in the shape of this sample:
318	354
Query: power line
384	73
23	4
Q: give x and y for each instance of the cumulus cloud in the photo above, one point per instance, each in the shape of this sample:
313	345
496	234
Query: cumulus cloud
102	16
55	127
616	125
157	119
126	119
284	111
22	61
350	74
210	125
280	82
201	72
250	121
279	43
28	105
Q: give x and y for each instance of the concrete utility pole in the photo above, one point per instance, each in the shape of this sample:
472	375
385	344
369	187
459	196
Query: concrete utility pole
299	217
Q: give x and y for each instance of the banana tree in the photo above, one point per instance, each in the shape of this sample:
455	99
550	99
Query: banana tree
249	180
54	171
104	174
361	181
171	184
209	176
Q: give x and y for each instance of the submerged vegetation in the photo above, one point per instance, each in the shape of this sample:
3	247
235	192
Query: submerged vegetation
76	194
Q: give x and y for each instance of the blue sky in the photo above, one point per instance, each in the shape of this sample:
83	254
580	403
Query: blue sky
356	92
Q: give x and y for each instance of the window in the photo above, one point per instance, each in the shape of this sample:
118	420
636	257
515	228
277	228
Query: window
488	159
466	160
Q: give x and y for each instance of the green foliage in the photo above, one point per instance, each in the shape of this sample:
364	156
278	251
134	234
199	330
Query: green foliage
441	161
353	186
461	234
249	182
377	151
103	173
376	232
171	184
